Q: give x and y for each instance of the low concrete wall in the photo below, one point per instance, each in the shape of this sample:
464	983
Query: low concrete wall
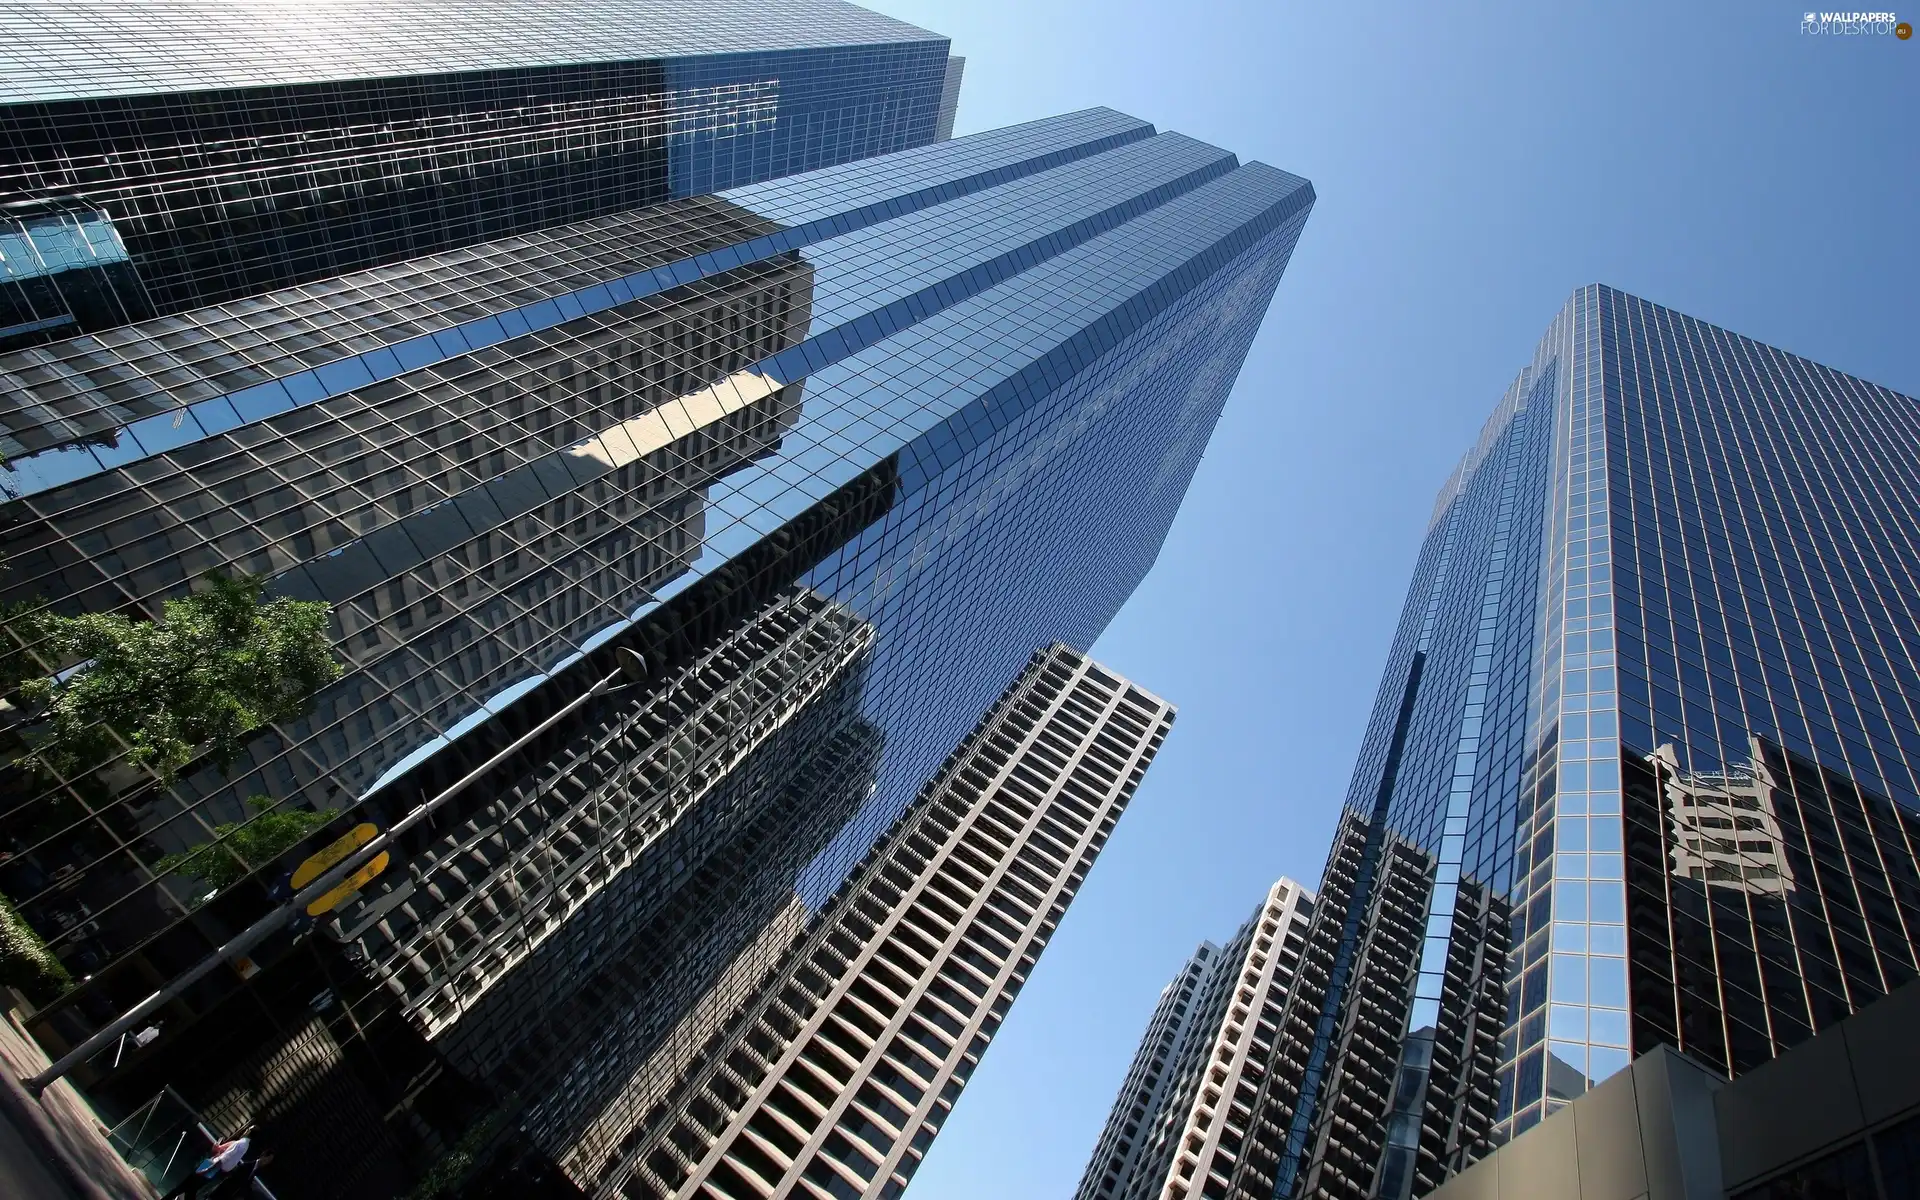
1668	1129
1645	1134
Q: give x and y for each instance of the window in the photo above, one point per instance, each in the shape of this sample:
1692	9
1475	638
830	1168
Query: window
1844	1174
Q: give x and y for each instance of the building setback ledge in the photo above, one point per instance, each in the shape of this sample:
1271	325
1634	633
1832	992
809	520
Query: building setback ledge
1670	1129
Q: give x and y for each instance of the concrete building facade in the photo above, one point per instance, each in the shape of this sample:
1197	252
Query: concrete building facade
838	1076
1184	1117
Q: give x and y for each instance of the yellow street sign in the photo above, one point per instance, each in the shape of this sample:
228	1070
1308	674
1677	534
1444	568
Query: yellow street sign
318	862
350	886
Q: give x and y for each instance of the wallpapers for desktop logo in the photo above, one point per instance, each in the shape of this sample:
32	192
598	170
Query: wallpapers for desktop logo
1845	24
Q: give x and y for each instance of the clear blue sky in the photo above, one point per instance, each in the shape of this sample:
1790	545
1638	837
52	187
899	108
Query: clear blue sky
1473	168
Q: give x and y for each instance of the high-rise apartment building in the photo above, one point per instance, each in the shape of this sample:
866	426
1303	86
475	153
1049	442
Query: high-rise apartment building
159	157
831	454
1641	769
837	1076
1185	1113
1149	1078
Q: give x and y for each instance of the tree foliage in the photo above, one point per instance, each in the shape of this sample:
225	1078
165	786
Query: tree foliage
216	666
19	621
457	1163
25	961
255	842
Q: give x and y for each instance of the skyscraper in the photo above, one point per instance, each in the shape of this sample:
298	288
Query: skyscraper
1641	768
837	1076
950	97
830	454
1185	1113
1149	1078
160	157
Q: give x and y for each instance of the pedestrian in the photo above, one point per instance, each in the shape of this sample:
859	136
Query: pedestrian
219	1163
239	1182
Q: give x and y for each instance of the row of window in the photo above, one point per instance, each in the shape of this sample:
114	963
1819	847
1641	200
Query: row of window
911	972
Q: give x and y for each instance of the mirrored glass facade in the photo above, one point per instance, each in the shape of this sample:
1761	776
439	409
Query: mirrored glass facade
833	454
156	158
1643	753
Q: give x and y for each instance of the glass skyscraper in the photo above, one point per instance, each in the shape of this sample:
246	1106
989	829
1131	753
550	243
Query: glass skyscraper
1641	770
159	157
832	454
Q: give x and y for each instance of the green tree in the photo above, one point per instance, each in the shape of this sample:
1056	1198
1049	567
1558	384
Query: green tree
25	961
19	629
216	666
239	846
